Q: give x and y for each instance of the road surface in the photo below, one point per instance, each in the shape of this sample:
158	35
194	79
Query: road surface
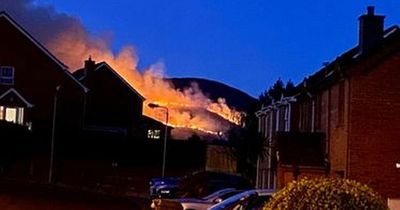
44	197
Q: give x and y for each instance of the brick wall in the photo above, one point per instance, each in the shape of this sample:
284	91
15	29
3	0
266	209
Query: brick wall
374	137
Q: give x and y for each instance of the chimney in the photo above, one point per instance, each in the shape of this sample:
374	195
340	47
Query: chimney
370	31
89	66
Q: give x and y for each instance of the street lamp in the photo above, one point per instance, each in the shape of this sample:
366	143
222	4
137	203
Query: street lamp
53	133
154	106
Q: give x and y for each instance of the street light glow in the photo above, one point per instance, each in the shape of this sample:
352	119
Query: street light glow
154	106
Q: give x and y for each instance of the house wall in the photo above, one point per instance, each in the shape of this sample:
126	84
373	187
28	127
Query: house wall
334	124
112	103
266	173
374	145
326	111
36	77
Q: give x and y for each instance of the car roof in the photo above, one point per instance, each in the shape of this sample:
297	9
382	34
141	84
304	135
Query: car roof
218	193
241	196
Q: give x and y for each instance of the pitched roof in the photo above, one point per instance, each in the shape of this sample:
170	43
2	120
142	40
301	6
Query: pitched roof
64	68
332	71
80	75
13	91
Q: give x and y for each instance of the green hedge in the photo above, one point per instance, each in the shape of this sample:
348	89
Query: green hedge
326	193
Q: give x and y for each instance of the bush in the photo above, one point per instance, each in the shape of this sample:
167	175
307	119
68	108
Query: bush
326	193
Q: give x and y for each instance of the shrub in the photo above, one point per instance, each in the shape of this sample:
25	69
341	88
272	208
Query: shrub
326	193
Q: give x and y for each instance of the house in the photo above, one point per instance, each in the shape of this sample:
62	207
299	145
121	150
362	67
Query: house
36	89
113	106
352	105
89	115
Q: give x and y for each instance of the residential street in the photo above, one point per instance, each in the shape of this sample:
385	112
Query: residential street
33	197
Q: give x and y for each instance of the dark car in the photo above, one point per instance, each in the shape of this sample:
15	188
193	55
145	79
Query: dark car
202	183
163	187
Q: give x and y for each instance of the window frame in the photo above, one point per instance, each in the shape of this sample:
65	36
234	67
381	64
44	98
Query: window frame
8	78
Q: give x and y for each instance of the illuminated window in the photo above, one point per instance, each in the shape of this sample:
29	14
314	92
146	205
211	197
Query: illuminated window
12	114
153	134
7	75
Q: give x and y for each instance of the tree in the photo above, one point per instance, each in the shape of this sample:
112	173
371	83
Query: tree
276	91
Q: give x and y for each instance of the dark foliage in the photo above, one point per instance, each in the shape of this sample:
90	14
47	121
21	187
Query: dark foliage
15	143
276	91
247	144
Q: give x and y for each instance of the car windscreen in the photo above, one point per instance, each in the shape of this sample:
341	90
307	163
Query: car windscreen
233	200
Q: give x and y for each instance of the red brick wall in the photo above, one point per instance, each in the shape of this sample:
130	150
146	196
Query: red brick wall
374	137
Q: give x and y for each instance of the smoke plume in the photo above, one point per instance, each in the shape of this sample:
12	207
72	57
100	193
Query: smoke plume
66	37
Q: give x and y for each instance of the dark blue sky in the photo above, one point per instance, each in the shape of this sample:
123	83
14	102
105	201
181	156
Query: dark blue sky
247	44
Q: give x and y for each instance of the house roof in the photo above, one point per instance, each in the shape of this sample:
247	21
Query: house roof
15	92
80	75
63	67
337	68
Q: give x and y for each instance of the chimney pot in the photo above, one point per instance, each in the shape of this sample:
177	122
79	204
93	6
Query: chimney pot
370	30
89	66
371	10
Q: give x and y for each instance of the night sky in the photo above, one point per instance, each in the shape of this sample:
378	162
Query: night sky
247	44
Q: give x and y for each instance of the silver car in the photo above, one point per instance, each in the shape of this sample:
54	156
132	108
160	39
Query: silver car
248	200
195	203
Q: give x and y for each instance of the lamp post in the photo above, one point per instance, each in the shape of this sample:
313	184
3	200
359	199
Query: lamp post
53	133
154	106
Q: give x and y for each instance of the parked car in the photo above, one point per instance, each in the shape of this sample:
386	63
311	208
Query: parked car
163	187
248	200
195	203
202	183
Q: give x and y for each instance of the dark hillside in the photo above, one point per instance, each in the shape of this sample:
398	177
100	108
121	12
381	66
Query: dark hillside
236	98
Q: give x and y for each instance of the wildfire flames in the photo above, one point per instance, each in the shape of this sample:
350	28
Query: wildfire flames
71	43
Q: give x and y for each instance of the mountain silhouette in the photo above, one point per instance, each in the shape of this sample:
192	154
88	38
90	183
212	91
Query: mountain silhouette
235	98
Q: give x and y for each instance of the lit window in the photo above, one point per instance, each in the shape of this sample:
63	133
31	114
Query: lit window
12	114
7	75
154	134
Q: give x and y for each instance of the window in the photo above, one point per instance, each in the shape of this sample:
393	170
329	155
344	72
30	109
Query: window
305	121
7	75
12	114
153	134
317	110
341	103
